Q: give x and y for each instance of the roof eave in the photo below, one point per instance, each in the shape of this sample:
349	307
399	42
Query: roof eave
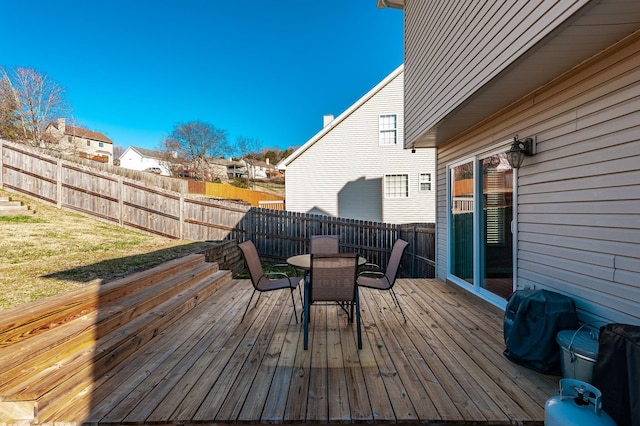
393	4
560	51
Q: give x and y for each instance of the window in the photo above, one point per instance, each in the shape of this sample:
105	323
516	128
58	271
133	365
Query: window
88	143
387	126
425	181
396	186
101	144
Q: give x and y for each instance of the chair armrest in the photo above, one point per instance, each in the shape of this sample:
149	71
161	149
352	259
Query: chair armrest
275	275
373	274
370	268
290	270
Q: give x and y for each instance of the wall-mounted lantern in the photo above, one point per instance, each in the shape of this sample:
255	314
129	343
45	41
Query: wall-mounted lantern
520	149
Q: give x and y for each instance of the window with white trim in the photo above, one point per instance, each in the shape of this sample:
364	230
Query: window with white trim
396	186
387	125
425	181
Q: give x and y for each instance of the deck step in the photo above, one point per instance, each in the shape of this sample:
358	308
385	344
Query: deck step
13	208
85	333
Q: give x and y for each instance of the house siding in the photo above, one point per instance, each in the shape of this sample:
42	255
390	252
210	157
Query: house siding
342	173
578	203
486	37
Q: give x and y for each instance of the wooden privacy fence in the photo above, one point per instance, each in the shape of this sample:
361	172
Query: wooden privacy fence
117	199
280	234
133	204
212	189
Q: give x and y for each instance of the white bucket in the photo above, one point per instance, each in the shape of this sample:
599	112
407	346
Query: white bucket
579	350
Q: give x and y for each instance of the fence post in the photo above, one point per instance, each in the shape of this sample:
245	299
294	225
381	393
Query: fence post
181	217
413	258
1	164
120	202
59	184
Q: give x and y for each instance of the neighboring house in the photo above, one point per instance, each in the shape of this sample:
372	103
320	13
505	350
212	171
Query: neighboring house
566	74
142	159
260	169
134	158
80	142
356	167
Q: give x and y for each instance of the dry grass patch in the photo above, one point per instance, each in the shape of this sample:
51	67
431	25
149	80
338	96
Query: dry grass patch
55	251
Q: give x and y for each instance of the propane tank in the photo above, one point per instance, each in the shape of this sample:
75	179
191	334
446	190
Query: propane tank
579	403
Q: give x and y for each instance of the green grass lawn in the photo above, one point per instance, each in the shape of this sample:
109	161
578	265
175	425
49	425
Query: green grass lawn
54	251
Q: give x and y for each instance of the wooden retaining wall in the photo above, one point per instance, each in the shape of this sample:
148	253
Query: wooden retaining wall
138	205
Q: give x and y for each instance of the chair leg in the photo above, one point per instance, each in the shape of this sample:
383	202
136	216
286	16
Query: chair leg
248	304
293	301
397	302
358	326
306	316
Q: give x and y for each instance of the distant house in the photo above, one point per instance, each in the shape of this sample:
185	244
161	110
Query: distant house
567	76
134	158
356	166
81	142
260	169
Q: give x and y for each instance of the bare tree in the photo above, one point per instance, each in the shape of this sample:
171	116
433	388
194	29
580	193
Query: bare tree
9	128
247	149
198	143
37	100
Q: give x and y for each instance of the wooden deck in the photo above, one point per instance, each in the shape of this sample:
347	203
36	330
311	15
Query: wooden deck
443	366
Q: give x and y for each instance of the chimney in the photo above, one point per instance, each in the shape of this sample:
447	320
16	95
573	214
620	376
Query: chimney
61	125
328	118
267	160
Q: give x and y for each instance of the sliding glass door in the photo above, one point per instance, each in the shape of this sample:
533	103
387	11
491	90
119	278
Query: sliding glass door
496	244
461	222
480	218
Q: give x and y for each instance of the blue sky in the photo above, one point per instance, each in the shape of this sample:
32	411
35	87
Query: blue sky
267	70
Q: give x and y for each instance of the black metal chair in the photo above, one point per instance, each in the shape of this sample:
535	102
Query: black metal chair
332	278
270	281
379	280
324	244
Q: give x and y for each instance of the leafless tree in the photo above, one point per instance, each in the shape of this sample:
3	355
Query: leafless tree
37	100
8	113
247	149
198	143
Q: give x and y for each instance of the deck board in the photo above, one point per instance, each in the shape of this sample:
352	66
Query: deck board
444	365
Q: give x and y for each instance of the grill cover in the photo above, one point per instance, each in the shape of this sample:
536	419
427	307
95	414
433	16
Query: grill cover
532	320
617	372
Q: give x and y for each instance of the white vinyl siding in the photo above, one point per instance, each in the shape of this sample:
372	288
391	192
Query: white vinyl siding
578	200
341	173
486	36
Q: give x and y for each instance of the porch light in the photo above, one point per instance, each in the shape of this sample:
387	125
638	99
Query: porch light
520	149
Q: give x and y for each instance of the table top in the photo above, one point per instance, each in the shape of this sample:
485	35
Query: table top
303	261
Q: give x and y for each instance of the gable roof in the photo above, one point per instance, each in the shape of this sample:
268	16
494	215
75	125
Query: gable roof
326	129
83	133
146	153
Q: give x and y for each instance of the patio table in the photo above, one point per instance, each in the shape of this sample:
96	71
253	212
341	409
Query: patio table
303	261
